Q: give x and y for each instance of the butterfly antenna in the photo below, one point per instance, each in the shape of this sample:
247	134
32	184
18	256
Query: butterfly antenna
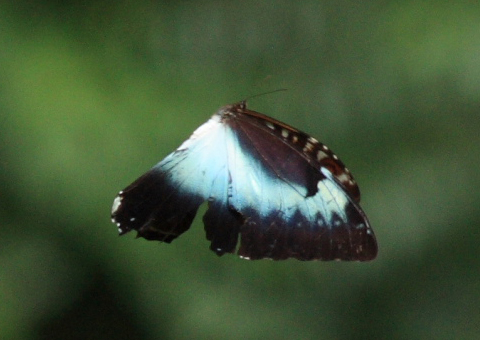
264	93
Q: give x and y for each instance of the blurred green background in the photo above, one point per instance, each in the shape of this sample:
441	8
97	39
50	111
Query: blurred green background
92	94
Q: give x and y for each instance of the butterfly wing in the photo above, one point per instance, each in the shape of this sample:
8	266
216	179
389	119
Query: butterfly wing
261	183
291	208
162	203
313	152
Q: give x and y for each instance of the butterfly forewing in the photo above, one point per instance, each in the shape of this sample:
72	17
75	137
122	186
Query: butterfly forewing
314	152
161	204
285	194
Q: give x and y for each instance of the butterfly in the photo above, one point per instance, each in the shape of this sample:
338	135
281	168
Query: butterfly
272	191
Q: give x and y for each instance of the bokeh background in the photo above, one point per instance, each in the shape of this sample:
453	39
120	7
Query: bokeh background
92	94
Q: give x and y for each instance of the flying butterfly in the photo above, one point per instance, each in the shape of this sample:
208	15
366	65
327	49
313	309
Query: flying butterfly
272	190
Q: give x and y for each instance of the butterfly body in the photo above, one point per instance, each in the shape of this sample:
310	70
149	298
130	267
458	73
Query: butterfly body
273	189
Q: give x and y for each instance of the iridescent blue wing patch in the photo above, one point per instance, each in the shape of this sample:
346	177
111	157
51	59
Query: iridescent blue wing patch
272	191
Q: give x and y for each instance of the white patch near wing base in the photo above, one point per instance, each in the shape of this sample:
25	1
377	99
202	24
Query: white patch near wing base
254	187
198	166
204	164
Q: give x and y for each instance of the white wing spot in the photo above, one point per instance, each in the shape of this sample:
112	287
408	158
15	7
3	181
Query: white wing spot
270	125
343	177
285	133
335	157
295	138
308	147
312	140
117	202
321	155
324	147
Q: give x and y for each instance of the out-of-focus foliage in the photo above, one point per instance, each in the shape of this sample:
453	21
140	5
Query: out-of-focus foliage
92	94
